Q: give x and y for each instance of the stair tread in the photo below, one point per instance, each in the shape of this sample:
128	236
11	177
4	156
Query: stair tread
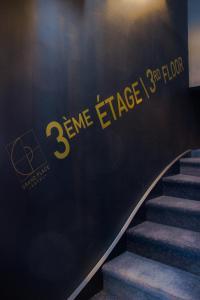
180	178
103	296
191	160
154	277
168	235
174	203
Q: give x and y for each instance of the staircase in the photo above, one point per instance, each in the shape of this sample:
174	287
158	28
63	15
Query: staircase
162	261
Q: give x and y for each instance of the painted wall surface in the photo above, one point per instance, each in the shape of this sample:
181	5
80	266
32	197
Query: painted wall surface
94	104
194	42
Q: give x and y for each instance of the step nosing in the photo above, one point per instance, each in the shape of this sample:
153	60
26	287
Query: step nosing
191	160
184	162
187	181
166	198
187	208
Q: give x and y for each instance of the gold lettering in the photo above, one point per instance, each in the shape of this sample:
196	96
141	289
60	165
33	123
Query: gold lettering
121	105
87	118
109	101
60	139
149	74
130	101
136	92
69	129
102	115
78	124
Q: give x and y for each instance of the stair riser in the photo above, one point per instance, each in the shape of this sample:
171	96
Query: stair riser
122	290
167	254
182	190
189	170
173	218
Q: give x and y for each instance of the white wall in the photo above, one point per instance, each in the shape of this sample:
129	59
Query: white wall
194	42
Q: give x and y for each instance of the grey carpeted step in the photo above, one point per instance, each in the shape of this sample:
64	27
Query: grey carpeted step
183	186
104	296
190	166
195	153
175	212
132	277
171	245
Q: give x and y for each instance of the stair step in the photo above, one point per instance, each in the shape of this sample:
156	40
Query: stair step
190	166
183	186
195	153
104	296
133	277
171	245
173	211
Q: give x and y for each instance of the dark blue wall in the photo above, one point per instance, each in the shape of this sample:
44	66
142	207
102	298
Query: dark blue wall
58	216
